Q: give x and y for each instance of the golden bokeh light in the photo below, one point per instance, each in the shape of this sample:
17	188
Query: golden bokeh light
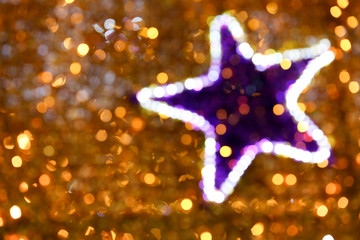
152	33
343	3
352	22
354	87
186	204
83	49
278	109
220	129
345	45
149	178
89	198
277	179
101	135
272	7
75	68
290	179
162	78
322	211
335	11
15	212
44	180
340	31
186	139
257	229
344	76
23	140
205	236
343	202
16	161
285	64
225	151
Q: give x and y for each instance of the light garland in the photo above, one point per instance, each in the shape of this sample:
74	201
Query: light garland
319	56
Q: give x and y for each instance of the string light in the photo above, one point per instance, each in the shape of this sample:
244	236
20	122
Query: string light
319	56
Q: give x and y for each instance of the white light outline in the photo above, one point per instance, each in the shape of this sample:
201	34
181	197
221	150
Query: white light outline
320	55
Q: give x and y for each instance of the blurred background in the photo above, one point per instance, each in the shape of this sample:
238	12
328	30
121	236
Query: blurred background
81	160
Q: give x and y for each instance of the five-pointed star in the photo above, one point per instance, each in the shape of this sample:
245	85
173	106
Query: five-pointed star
246	105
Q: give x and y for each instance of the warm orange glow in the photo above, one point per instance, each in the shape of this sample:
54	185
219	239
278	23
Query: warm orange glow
105	115
343	3
290	179
23	140
75	68
120	112
119	46
205	236
323	164
101	135
62	233
244	109
277	179
44	180
225	151
345	45
354	87
285	64
278	109
137	124
15	212
343	202
16	161
220	129
162	78
186	139
257	229
322	211
149	178
333	188
272	7
152	33
340	31
82	49
335	11
352	22
344	76
226	73
186	204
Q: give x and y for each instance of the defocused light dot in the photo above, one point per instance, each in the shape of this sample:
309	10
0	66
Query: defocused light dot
343	3
343	202
345	45
83	49
186	139
89	198
44	180
278	109
272	7
69	1
162	78
75	68
290	179
23	187
323	164
120	112
105	115
352	22
16	161
119	46
332	188
1	222
285	64
62	233
277	179
257	229
221	114
24	141
292	230
328	237
340	31
15	212
60	80
49	151
45	77
137	124
344	76
100	54
205	236
68	43
101	135
302	126
152	33
254	24
244	109
354	87
322	211
186	204
149	178
225	151
335	11
220	129
8	143
226	73
41	107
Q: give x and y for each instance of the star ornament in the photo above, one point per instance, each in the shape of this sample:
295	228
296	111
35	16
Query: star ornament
246	104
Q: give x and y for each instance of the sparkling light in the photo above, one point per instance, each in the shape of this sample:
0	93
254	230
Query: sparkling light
186	204
83	49
320	57
15	212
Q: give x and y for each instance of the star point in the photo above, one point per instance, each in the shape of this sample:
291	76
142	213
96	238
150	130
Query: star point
246	104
